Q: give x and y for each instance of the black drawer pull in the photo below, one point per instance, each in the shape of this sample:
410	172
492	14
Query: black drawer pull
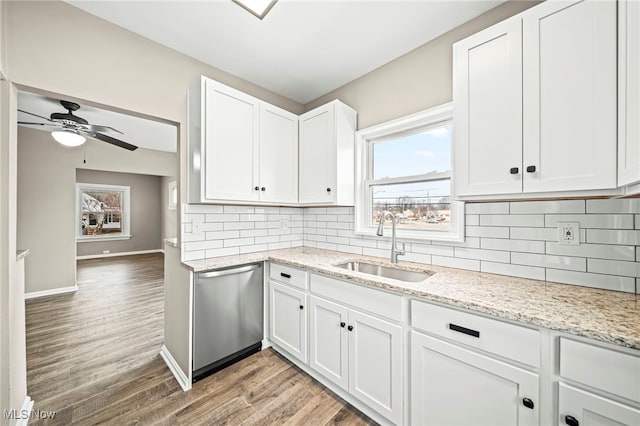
328	189
527	403
571	421
350	328
464	330
514	170
531	169
282	274
256	188
301	307
342	324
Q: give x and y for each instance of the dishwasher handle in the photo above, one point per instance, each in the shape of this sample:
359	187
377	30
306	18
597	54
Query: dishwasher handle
232	271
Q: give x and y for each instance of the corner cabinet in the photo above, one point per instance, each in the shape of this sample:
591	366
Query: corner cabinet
540	90
327	155
241	149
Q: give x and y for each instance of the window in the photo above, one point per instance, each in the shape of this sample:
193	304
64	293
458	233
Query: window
102	212
404	167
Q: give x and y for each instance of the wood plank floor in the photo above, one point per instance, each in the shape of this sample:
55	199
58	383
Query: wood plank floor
92	357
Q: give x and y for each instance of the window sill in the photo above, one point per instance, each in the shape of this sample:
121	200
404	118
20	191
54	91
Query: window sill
95	239
417	236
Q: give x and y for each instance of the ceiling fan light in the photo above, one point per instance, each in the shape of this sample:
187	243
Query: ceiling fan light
68	138
258	8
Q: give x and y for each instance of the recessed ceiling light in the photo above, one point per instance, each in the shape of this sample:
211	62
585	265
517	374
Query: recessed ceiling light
258	8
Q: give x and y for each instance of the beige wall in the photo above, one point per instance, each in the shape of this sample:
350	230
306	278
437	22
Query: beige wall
416	81
46	198
146	214
169	217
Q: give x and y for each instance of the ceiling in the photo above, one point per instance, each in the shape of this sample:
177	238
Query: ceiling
302	49
138	131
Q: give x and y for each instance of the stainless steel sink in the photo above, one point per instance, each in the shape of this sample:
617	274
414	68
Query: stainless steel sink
384	271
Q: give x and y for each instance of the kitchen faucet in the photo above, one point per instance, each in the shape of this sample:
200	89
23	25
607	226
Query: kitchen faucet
395	251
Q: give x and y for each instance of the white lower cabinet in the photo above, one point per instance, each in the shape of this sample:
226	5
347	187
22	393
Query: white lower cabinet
580	408
360	353
451	385
288	319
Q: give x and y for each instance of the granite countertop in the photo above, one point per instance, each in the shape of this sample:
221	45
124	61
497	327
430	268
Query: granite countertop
171	242
603	315
21	254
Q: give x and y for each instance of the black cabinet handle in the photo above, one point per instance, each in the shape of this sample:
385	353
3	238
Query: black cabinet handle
342	324
256	188
328	189
531	169
571	421
464	330
350	328
301	307
282	274
263	189
514	170
527	403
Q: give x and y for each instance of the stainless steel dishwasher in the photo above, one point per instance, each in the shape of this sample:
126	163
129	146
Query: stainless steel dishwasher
227	317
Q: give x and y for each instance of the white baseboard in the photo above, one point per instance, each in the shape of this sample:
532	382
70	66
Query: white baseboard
25	411
51	292
177	372
124	253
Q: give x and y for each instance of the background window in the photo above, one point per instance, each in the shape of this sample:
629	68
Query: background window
405	168
102	212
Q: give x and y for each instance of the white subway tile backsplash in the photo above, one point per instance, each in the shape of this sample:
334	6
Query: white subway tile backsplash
613	267
605	221
614	206
585	279
487	231
530	220
491	255
592	250
508	238
526	246
613	237
547	207
487	208
454	262
550	261
530	272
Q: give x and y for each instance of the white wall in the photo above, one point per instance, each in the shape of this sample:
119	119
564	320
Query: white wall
169	217
417	80
46	198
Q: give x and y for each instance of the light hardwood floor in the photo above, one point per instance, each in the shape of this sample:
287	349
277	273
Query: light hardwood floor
92	357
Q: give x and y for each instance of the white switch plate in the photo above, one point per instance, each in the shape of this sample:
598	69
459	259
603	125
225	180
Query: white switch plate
569	233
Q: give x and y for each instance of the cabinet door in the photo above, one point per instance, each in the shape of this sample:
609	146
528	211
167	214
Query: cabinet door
455	386
231	135
318	156
289	320
278	155
592	410
569	74
375	364
628	92
487	95
328	337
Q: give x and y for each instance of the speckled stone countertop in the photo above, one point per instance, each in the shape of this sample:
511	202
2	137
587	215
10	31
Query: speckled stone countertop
604	315
21	254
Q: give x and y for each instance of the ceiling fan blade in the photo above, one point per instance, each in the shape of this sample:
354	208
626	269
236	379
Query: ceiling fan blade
98	128
36	115
37	124
113	141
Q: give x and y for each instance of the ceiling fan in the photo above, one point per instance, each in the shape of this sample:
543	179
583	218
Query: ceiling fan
73	130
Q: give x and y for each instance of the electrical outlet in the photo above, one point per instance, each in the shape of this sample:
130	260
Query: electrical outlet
284	224
569	233
106	251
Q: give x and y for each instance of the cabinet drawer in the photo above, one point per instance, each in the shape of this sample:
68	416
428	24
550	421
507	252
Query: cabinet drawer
288	275
369	299
511	341
605	369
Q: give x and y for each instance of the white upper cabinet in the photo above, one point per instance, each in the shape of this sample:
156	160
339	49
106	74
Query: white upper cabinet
327	155
628	92
535	102
241	149
278	155
488	110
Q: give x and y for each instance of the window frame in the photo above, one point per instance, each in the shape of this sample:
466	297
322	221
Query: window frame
364	178
125	212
